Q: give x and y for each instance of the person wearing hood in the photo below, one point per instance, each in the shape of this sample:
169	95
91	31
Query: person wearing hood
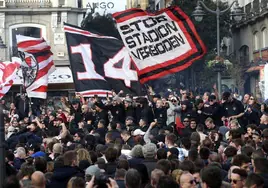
187	131
129	110
101	113
186	109
63	174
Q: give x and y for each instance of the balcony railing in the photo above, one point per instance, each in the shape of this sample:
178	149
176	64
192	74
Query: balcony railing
28	3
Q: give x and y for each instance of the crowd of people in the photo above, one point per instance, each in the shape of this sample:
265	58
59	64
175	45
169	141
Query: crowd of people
180	140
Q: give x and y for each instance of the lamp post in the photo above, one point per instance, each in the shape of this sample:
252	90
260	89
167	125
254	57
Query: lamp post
237	15
2	137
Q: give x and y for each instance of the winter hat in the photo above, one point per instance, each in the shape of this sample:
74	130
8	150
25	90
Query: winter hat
93	171
149	150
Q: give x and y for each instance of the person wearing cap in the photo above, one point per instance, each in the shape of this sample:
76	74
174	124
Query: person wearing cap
130	125
173	111
35	151
231	108
76	110
91	171
138	136
101	113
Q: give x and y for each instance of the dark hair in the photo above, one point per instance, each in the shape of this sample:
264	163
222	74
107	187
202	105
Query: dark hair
252	126
167	181
230	151
102	121
142	169
113	125
187	166
235	133
199	165
241	172
111	154
257	154
200	128
132	178
211	171
265	146
122	164
247	150
260	165
164	165
240	159
69	157
10	156
26	170
161	153
12	182
171	138
186	143
254	179
193	154
204	153
40	164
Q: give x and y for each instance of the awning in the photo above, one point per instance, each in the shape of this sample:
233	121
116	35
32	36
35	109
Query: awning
255	68
59	76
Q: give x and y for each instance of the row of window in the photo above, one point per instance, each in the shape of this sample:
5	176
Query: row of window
260	39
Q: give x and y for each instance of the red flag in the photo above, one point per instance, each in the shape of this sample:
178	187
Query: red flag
37	49
7	74
179	125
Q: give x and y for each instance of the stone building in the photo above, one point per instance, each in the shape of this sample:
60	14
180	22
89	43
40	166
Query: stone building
41	18
250	42
45	18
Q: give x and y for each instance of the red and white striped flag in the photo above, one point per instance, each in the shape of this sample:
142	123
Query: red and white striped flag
7	74
38	49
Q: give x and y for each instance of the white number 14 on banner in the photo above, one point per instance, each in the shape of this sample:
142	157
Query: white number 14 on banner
124	73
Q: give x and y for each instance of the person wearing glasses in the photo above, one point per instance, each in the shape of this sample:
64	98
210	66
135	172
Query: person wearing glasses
238	178
187	180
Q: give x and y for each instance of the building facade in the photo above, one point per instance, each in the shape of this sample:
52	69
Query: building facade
41	18
144	4
46	18
250	42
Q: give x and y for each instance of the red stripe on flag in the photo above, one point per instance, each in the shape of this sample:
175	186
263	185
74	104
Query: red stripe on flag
44	71
41	89
39	59
26	44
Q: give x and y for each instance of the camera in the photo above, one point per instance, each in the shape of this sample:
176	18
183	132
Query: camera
101	181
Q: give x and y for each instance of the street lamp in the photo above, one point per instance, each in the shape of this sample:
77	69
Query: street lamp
2	136
237	15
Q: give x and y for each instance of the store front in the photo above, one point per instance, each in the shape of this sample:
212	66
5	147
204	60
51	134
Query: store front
60	83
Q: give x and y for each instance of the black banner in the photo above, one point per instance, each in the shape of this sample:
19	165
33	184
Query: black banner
100	64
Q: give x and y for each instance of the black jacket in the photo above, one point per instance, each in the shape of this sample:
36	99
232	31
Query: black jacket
62	175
